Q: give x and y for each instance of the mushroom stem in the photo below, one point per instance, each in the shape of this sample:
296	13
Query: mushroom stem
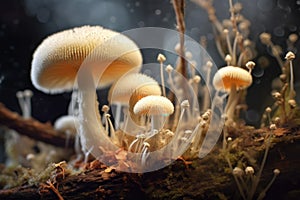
169	70
236	39
73	106
206	97
257	178
20	96
231	103
263	193
162	79
292	90
226	32
156	122
179	132
118	115
92	132
111	127
27	106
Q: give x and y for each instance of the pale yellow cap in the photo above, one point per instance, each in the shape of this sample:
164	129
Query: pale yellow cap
122	90
153	105
229	75
58	58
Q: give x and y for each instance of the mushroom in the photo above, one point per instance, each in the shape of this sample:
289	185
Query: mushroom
96	57
156	107
68	124
58	58
121	91
140	92
230	79
161	59
290	56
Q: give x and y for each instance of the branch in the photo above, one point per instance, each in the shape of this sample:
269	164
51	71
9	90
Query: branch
179	11
33	128
206	178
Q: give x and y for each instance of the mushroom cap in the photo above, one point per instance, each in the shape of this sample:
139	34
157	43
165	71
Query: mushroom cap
122	90
66	123
58	58
153	105
229	75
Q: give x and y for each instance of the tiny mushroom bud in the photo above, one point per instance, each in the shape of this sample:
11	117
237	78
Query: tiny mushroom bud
292	103
225	31
276	95
247	43
273	127
209	64
237	171
185	104
277	120
268	110
282	78
265	38
250	65
30	157
249	170
228	59
105	108
188	55
290	56
196	79
27	93
293	37
276	171
161	58
169	68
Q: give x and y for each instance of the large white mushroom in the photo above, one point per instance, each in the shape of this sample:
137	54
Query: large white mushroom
96	57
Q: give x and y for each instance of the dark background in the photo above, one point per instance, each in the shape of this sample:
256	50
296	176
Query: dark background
25	23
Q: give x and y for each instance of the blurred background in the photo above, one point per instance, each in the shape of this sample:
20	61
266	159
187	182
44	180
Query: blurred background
25	23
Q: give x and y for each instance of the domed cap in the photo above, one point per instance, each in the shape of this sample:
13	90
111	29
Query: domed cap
67	123
228	76
122	90
58	58
153	105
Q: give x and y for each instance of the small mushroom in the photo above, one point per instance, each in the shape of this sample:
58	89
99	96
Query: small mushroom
230	79
290	56
121	91
156	107
68	124
139	93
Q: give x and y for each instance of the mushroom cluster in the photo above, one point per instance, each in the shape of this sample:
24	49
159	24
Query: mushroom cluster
149	123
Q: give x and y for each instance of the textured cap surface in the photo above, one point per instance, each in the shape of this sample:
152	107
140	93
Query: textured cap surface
229	75
122	90
153	105
58	58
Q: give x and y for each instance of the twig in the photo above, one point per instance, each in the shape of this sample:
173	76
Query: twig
32	128
179	11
